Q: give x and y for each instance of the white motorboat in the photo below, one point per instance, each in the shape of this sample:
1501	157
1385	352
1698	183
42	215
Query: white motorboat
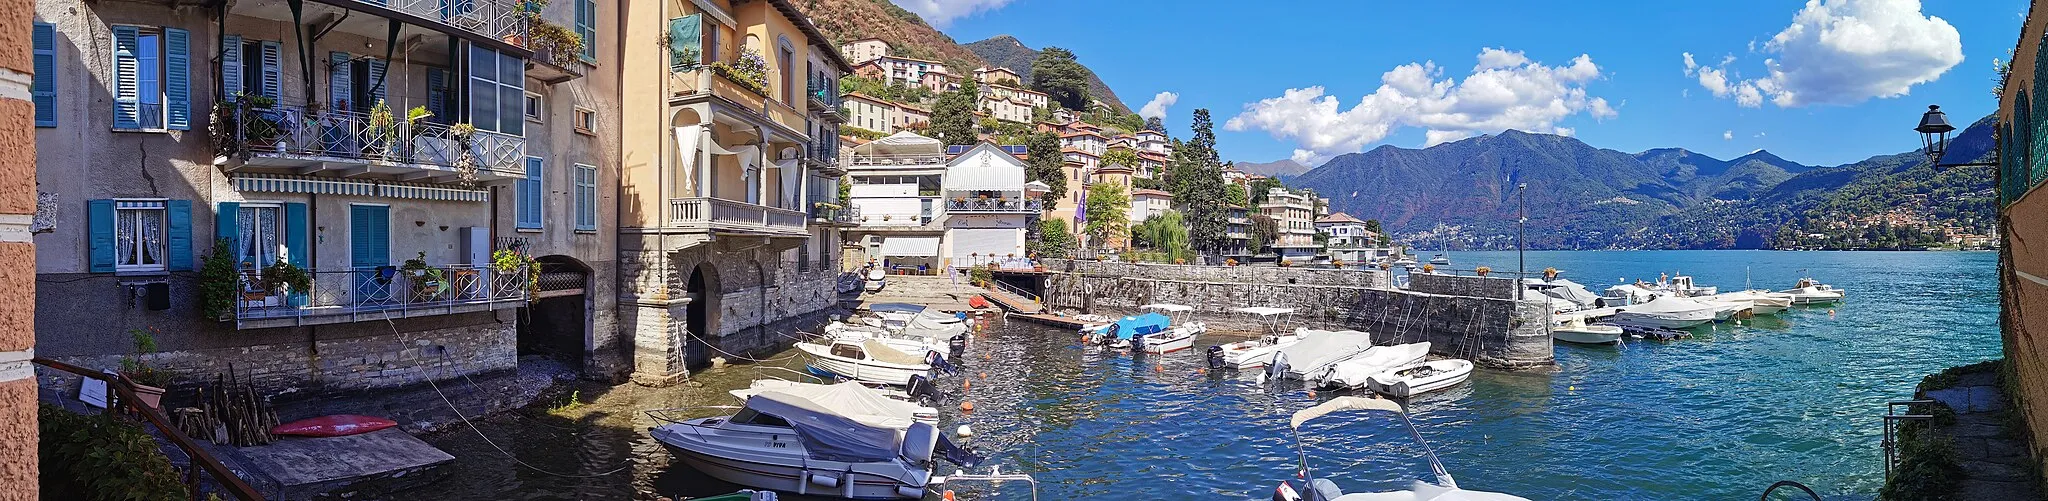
1760	302
885	408
1312	357
1256	352
1354	372
1667	312
1125	331
869	360
1683	286
1812	292
900	340
1179	337
876	280
1576	330
918	320
788	443
1322	489
1563	295
1417	379
1724	310
1626	295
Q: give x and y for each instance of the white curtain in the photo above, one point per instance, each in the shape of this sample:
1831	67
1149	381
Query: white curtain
792	183
686	150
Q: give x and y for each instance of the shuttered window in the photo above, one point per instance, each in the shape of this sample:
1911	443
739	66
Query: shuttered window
529	196
44	87
152	78
139	235
586	197
369	238
586	28
251	67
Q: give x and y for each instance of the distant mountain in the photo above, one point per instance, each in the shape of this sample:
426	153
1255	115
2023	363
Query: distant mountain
1585	197
1008	52
1282	168
907	33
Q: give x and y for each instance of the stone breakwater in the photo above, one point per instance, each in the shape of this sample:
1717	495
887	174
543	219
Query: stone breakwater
1474	318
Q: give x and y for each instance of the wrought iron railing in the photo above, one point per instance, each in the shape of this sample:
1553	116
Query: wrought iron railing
732	215
386	289
298	131
994	205
846	215
916	159
500	19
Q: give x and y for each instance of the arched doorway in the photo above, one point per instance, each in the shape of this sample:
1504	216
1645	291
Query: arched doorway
702	319
556	325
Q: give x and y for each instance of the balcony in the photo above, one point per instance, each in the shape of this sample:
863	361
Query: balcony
695	84
555	65
907	159
729	216
823	214
371	294
991	202
359	143
504	20
824	100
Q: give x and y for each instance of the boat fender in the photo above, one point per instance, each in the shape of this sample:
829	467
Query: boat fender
1285	492
1215	357
964	431
910	491
825	479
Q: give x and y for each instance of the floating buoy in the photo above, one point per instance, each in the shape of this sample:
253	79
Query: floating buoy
984	375
985	356
966	385
1831	312
1311	394
949	495
1158	368
964	431
967	406
1201	371
1571	388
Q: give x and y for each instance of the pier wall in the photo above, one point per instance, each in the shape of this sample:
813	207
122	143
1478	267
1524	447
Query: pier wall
1492	331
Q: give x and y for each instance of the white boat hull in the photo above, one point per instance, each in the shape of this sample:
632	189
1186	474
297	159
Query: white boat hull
1252	354
1172	340
1591	334
1444	374
1353	372
1665	321
862	370
724	456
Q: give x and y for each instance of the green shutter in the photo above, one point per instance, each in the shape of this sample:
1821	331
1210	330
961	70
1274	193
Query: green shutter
99	222
586	27
178	234
685	42
177	79
295	244
127	101
273	72
226	226
339	88
44	87
230	67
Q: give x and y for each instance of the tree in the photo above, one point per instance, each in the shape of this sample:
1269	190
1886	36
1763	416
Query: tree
1166	233
1261	186
1155	124
1264	231
1196	179
1236	196
1041	114
1373	225
1121	156
953	116
1046	165
1107	222
1053	239
1060	77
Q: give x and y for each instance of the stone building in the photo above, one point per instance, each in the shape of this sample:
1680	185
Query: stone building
2023	221
387	150
18	455
1293	215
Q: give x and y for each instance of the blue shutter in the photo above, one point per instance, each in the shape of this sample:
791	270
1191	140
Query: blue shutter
376	83
226	227
586	197
369	236
338	85
127	103
273	71
295	244
437	96
177	79
529	195
178	234
99	222
230	67
44	87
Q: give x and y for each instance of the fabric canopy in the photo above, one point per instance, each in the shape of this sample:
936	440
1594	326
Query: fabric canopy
902	143
985	168
850	399
1265	310
1141	325
1342	404
883	353
910	247
1318	349
827	435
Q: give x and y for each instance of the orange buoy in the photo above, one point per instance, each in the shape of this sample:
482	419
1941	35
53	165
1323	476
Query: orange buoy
1201	371
967	406
949	495
1311	394
966	385
984	375
985	356
1158	368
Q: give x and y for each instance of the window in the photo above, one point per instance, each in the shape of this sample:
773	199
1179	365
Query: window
586	197
139	235
152	78
497	84
251	67
533	107
586	120
786	63
586	28
258	228
529	203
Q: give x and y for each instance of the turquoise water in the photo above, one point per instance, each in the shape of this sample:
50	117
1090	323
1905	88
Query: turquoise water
1720	416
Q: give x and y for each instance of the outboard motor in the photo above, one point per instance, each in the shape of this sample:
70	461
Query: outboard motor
938	361
956	454
1278	367
958	344
1137	343
921	390
1215	357
1285	492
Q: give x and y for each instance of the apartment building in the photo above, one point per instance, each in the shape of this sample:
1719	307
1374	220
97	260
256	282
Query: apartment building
1028	97
922	210
1006	108
1348	240
869	112
1293	215
389	157
1237	231
862	51
986	75
1149	203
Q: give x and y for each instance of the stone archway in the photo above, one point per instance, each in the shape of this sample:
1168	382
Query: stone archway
557	324
701	320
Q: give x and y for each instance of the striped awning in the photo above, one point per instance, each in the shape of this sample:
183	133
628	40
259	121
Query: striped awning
330	186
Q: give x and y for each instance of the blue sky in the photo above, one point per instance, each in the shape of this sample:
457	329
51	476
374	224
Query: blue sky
1834	61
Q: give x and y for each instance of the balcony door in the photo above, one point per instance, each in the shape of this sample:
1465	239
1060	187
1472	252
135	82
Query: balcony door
369	252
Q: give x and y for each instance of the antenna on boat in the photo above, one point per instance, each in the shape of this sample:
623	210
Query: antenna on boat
1435	466
1301	454
1745	279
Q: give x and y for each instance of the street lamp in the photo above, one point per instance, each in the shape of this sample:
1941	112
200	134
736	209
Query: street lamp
1934	129
1521	263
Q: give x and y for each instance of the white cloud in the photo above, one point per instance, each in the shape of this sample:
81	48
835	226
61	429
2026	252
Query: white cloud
1156	108
1842	52
1728	135
942	12
1506	90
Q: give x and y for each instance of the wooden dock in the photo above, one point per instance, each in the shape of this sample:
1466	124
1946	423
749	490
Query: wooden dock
1012	303
1048	319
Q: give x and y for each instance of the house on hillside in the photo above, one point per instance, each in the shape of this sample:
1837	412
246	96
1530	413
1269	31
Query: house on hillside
1348	241
986	75
869	112
921	211
859	52
1293	216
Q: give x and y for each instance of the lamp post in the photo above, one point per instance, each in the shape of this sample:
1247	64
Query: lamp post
1521	262
1934	130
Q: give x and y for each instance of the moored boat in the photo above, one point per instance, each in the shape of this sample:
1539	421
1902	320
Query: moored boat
869	360
1256	352
1760	302
1118	334
1353	372
1576	330
1318	488
1180	336
1417	379
1668	313
1311	358
791	444
1809	292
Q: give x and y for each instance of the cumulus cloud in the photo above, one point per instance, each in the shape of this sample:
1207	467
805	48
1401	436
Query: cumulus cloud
1156	108
1841	52
1506	90
1728	135
942	12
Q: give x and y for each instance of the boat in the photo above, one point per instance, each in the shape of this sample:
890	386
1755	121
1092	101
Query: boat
1575	330
908	342
1405	262
1118	334
1179	337
1563	295
1256	352
1311	358
1667	312
1811	292
1760	302
787	443
1440	260
1683	286
1724	310
918	320
869	360
1316	488
1417	379
1626	295
876	280
886	408
1354	372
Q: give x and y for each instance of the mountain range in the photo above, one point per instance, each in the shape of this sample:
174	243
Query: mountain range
1462	194
1282	169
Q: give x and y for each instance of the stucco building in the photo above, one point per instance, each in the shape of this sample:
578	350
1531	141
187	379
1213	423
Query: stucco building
1294	216
2023	222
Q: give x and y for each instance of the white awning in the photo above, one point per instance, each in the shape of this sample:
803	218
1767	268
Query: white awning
910	247
902	143
1167	307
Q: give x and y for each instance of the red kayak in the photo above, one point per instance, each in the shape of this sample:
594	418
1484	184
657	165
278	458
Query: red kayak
339	425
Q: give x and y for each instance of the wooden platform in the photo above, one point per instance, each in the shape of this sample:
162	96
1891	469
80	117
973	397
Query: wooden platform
1048	319
1013	304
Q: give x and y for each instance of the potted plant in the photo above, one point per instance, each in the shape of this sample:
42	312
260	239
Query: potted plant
1230	262
383	129
1482	271
427	282
283	277
149	381
1550	273
1429	268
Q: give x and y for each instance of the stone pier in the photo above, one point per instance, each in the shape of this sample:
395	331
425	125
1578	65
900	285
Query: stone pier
1466	317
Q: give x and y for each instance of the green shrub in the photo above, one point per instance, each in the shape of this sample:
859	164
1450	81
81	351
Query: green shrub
980	276
217	282
95	457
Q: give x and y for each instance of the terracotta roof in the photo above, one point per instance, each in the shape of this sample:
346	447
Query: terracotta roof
1078	134
1151	192
1077	150
1338	218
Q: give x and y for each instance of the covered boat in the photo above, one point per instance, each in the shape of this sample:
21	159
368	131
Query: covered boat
1256	352
918	320
1318	350
853	400
1563	295
1416	379
1317	488
868	360
1760	302
1119	333
788	443
1668	313
1353	373
1575	330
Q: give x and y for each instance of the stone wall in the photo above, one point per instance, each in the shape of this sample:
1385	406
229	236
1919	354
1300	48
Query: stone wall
1491	331
2024	312
756	300
1453	285
1223	274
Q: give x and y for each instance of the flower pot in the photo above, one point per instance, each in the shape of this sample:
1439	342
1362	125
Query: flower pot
149	396
298	300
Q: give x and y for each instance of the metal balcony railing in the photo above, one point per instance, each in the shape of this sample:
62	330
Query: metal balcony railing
717	214
372	293
848	215
291	131
994	205
898	159
500	19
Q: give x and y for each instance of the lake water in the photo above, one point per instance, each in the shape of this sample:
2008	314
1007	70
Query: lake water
1719	416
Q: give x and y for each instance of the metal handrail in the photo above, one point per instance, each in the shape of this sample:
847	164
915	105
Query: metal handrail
1014	290
124	390
302	131
1891	427
378	290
